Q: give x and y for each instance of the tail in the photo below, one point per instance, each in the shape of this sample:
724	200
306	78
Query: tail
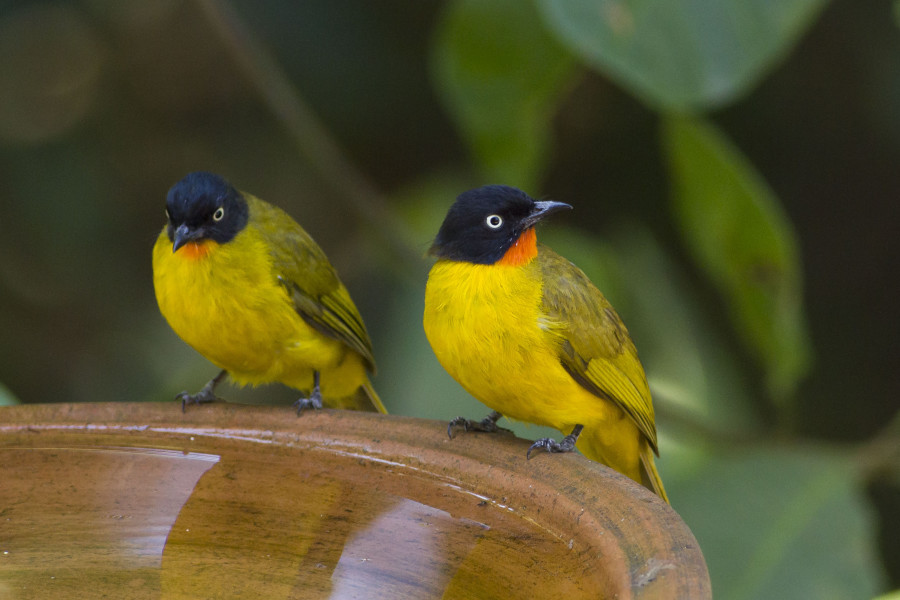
364	399
616	448
649	475
374	400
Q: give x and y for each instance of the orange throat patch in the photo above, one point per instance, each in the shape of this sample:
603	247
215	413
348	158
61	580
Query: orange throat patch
196	250
523	251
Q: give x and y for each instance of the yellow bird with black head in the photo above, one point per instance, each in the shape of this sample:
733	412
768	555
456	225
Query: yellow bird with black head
243	284
526	332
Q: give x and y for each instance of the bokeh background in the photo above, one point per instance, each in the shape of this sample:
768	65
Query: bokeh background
734	167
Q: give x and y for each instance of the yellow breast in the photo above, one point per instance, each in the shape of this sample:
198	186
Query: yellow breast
486	327
226	302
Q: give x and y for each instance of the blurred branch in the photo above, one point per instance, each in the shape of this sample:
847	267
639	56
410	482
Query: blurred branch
316	144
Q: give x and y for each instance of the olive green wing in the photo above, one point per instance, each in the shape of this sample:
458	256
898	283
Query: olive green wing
310	280
596	348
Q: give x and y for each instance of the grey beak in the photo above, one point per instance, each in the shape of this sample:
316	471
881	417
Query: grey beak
543	208
184	234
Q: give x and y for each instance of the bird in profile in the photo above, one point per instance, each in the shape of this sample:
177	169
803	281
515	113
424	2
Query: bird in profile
525	331
243	284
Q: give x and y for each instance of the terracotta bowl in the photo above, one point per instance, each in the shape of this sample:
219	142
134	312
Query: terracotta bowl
225	501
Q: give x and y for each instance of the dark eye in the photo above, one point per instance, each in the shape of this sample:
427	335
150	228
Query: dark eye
494	221
220	212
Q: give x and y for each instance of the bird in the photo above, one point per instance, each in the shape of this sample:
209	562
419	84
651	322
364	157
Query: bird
243	284
525	332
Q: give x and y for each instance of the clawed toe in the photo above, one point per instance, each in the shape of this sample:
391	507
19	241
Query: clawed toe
457	422
550	445
207	394
486	425
313	401
201	397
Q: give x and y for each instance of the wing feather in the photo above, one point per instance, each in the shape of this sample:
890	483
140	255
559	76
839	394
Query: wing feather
597	350
311	282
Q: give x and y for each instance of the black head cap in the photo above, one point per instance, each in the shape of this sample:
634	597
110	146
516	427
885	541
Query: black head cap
485	222
203	206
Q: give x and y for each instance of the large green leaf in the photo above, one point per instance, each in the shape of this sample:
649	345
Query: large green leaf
500	73
781	523
678	54
739	235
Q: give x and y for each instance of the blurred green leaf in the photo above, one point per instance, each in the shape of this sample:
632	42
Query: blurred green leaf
500	73
895	595
7	398
423	203
690	366
679	54
738	233
781	523
690	370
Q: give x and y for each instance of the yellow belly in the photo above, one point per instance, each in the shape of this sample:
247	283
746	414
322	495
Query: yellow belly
229	306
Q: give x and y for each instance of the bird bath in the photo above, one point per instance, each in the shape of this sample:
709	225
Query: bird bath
137	500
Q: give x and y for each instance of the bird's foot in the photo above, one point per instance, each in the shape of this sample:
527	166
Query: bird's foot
204	396
550	445
314	401
487	424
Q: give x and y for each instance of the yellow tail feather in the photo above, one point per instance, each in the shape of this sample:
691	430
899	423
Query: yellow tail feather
626	451
373	397
364	399
649	474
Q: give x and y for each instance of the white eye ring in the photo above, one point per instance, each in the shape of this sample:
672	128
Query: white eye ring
168	218
219	214
494	221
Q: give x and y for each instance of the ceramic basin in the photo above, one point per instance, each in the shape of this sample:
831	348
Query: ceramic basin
225	501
